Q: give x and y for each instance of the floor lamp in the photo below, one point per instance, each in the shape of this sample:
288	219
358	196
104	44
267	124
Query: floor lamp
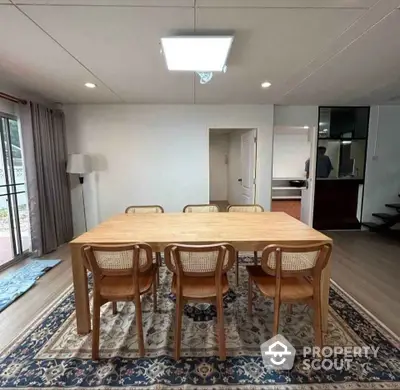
79	164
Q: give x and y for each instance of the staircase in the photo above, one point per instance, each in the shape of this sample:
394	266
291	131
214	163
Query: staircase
387	220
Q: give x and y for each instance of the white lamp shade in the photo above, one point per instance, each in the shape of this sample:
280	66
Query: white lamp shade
78	163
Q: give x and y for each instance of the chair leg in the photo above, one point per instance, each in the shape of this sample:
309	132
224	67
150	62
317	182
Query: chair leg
221	328
96	328
318	322
178	326
159	262
290	308
154	286
237	268
139	326
114	308
277	307
255	257
250	297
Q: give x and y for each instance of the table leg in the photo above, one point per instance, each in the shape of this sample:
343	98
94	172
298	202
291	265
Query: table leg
81	291
325	284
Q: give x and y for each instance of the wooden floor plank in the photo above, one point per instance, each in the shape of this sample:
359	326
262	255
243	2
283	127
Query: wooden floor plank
19	314
367	266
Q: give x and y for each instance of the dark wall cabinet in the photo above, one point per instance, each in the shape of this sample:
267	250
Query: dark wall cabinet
335	204
343	122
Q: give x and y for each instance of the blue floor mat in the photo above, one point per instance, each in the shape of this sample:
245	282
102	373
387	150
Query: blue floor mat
18	282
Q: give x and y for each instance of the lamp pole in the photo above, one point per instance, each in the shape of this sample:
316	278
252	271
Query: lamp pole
80	164
81	178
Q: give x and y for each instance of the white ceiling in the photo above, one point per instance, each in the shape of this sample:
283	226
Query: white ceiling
312	51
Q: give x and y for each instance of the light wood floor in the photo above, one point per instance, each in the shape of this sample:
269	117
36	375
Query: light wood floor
20	313
365	265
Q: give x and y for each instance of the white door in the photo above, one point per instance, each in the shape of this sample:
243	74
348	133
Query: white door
248	166
307	195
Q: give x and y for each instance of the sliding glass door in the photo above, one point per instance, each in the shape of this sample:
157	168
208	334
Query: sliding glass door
14	216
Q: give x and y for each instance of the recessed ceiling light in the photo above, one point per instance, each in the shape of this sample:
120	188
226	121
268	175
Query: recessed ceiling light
90	85
196	53
266	84
306	127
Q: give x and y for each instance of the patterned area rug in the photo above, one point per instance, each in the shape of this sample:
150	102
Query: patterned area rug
18	282
50	354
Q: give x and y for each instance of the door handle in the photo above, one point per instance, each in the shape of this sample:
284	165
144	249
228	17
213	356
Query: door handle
240	180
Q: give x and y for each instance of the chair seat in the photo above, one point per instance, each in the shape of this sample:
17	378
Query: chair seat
200	287
114	288
291	288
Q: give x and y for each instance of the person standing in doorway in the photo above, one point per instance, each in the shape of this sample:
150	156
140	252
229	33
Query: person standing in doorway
324	164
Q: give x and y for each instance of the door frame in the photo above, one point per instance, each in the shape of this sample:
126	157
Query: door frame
232	129
313	136
12	192
254	134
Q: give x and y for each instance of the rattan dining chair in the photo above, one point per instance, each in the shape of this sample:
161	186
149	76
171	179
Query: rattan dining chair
144	209
120	273
201	208
200	275
152	209
244	208
291	274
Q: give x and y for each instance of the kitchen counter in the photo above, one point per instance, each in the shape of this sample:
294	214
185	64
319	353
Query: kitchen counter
341	178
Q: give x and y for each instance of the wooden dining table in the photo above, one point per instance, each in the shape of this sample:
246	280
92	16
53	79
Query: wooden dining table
245	231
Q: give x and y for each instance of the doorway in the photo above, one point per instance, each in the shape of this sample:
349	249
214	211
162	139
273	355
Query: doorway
232	166
294	171
14	213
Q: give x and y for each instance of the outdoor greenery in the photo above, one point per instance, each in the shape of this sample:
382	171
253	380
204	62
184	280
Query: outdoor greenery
4	210
14	133
23	220
15	140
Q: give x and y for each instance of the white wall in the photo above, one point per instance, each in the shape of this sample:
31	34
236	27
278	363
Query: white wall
358	154
14	108
382	174
295	116
219	145
157	154
7	107
291	140
291	150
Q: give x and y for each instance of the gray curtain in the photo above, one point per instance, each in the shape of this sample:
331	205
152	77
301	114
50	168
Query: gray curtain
48	184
